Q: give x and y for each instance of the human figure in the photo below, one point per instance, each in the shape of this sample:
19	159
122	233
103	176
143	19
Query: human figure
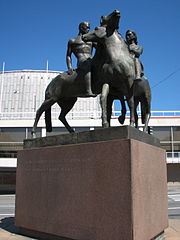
83	52
136	51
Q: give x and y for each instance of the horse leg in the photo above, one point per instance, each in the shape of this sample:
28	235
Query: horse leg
145	128
66	105
146	113
110	99
136	102
145	103
130	101
121	118
103	102
45	105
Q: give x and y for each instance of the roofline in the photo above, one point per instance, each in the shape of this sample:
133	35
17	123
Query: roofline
30	70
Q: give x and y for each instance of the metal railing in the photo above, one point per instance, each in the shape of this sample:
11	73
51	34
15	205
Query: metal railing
153	113
31	115
173	157
81	115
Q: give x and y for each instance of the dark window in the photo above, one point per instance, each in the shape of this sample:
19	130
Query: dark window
162	133
176	133
8	154
12	134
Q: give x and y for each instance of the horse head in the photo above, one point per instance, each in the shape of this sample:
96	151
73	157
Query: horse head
109	24
111	20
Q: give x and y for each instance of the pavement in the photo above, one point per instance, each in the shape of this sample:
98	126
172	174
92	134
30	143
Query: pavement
173	231
8	231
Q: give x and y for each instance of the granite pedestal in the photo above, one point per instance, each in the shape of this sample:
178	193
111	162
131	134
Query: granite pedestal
101	190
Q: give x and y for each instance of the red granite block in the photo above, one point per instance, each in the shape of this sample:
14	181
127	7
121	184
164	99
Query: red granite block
105	190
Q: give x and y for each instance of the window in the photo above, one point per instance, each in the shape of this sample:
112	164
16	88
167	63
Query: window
162	133
12	134
176	133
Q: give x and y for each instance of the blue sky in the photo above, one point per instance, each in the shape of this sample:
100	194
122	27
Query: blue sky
34	31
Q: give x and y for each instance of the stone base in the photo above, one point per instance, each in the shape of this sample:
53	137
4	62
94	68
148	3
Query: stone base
101	134
115	189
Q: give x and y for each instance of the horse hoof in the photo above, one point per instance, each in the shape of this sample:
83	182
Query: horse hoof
132	124
71	130
145	129
33	134
105	125
121	119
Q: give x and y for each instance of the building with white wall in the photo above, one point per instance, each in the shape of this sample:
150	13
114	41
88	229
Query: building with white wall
22	92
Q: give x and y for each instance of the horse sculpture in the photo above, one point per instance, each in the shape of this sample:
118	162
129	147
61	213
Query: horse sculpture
113	75
142	95
114	66
118	73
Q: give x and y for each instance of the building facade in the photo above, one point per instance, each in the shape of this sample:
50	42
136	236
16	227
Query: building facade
22	92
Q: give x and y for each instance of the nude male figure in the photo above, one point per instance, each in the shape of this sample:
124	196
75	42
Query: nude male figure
136	51
83	52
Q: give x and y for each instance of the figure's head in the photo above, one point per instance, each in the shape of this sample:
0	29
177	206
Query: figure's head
84	27
131	37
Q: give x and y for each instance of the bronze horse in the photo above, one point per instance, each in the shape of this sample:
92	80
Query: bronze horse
142	94
115	66
113	75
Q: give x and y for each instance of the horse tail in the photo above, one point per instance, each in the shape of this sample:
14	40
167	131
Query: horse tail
48	120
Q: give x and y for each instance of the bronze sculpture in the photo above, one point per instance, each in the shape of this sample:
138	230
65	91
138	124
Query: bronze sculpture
113	74
119	72
116	67
83	52
136	51
142	91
